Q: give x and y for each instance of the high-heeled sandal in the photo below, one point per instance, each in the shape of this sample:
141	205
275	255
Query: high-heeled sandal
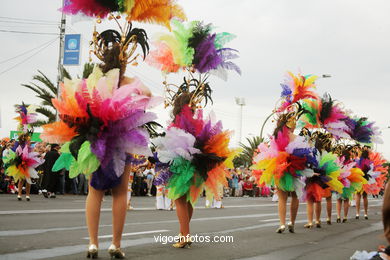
184	242
338	220
19	198
308	225
365	216
328	221
281	229
344	220
291	227
92	251
28	198
115	252
357	217
318	224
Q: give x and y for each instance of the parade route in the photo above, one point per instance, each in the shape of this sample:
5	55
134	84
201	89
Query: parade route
55	229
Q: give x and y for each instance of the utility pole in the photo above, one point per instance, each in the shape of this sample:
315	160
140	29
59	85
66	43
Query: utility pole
241	103
61	51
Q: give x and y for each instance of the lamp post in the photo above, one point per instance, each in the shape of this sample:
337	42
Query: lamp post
241	102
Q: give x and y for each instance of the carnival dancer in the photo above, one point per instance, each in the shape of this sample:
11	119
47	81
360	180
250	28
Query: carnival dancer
351	177
194	149
103	117
371	163
21	161
284	159
324	180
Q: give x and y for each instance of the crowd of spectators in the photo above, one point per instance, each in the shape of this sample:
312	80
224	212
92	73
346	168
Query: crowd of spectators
52	183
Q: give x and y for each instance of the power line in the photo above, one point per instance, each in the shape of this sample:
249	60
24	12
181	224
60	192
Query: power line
32	23
17	56
24	32
24	19
29	57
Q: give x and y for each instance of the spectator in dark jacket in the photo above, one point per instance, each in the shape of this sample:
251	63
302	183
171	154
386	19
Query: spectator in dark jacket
51	178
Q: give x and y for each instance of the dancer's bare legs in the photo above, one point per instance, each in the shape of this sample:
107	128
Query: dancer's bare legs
183	214
294	207
282	202
92	213
309	212
329	208
317	210
338	208
20	187
358	197
346	208
365	204
119	207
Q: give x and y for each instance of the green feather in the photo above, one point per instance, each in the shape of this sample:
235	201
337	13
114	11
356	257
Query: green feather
286	183
222	38
180	182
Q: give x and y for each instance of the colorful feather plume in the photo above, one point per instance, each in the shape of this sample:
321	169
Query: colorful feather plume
296	88
325	178
374	172
194	45
101	123
27	116
283	161
21	164
148	11
363	131
325	113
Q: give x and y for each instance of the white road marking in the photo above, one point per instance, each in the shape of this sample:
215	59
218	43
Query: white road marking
14	212
134	233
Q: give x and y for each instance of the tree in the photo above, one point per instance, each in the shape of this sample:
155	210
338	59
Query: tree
46	90
246	157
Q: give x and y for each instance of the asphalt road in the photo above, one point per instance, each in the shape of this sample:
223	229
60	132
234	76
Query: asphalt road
55	229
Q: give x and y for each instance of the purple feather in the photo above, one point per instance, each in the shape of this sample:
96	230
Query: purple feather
206	55
286	92
163	173
131	159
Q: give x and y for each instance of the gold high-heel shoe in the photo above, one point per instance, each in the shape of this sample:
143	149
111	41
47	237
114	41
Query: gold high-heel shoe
281	229
115	252
291	227
184	242
308	225
92	251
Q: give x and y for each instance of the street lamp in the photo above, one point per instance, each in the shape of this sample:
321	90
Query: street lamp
241	102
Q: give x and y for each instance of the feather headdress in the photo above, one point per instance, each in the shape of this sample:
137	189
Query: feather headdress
196	48
149	11
102	122
295	88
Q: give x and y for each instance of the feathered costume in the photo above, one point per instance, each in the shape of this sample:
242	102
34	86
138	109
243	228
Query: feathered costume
325	178
374	172
151	11
99	124
296	88
196	153
363	131
351	177
283	161
21	163
325	113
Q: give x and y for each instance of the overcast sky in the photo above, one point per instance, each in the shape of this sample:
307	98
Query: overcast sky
350	40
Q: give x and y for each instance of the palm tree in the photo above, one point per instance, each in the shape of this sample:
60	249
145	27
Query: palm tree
46	90
246	157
